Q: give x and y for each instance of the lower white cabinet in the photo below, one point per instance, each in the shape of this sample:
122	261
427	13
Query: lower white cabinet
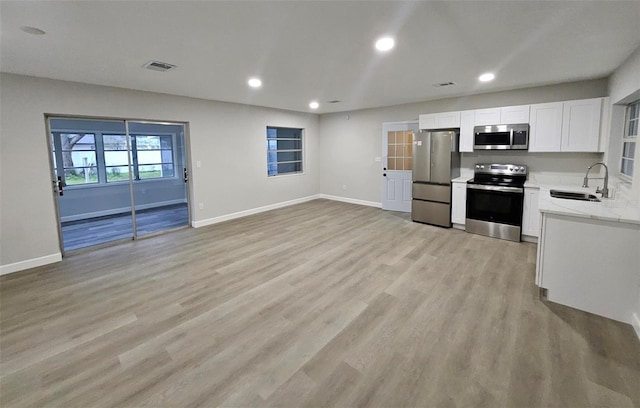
590	264
530	213
459	203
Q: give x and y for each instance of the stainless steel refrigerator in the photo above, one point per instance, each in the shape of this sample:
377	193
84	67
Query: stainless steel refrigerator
436	160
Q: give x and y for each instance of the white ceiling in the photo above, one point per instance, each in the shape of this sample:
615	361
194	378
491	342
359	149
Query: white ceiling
319	50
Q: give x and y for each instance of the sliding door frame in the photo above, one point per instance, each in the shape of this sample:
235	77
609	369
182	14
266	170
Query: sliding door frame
126	121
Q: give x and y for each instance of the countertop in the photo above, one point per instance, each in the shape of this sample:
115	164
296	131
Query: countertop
617	209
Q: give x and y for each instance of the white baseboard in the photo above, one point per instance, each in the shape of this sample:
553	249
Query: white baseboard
239	214
122	210
351	200
30	263
635	322
528	238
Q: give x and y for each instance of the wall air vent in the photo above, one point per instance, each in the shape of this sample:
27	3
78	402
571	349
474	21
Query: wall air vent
444	84
158	66
335	101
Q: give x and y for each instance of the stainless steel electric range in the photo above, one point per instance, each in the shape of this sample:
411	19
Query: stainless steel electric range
495	199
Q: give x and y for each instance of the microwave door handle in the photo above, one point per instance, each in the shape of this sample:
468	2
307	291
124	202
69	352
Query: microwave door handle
511	137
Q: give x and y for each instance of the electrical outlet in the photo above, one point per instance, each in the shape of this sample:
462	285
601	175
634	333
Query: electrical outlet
201	206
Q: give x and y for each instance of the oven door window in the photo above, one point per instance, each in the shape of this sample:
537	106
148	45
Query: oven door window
495	206
492	139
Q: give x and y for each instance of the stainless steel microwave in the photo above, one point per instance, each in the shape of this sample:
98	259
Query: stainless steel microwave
501	137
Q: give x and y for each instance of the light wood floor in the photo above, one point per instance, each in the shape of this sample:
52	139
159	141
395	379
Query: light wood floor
318	304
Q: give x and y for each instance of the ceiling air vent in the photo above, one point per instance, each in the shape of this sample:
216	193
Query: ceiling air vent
444	84
158	66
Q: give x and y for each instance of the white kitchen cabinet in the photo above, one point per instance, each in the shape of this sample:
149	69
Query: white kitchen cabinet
444	120
530	213
590	264
428	121
581	125
489	116
506	115
467	122
459	203
545	130
510	115
571	126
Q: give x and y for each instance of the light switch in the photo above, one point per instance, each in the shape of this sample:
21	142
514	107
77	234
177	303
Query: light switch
198	164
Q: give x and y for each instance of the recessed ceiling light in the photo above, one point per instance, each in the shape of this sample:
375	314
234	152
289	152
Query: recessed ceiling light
486	77
255	83
385	44
314	105
32	30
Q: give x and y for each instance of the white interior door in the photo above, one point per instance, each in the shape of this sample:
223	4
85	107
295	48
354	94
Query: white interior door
397	163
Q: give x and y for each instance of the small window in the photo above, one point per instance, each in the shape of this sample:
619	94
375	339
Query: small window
629	139
78	154
115	157
284	150
154	156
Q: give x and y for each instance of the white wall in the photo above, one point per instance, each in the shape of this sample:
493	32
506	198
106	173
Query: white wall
352	140
229	140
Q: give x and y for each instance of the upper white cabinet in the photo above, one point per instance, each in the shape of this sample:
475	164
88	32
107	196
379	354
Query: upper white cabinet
439	120
467	122
581	125
510	115
545	127
502	116
572	126
487	116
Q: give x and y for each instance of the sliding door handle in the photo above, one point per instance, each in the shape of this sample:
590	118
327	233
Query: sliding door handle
186	175
60	190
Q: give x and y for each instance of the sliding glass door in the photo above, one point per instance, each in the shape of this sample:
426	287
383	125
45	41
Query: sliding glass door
116	179
159	176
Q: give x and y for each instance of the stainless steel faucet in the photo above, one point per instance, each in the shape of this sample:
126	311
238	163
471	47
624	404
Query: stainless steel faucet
605	189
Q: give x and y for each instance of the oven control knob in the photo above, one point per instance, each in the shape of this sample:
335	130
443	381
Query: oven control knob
477	166
481	167
521	169
511	169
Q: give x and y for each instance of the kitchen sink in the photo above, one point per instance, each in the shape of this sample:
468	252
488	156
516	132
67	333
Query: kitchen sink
572	195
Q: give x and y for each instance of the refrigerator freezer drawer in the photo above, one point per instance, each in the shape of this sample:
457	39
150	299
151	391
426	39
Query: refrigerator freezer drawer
430	212
432	192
